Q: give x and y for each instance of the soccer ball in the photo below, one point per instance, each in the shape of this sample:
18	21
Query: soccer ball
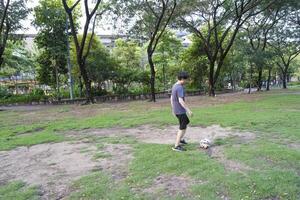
205	143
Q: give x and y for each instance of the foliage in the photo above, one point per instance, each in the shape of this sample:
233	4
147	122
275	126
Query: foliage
35	96
17	60
50	19
167	60
129	73
12	13
99	64
195	62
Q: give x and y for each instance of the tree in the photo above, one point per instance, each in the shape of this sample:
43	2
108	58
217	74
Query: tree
99	65
128	69
167	58
83	50
209	18
194	61
128	54
285	41
150	19
51	39
17	61
257	29
11	13
237	63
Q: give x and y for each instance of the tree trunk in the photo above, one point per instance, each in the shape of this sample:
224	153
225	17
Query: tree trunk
87	84
80	86
259	79
57	83
231	82
1	59
269	79
4	38
284	76
211	89
250	82
152	79
16	86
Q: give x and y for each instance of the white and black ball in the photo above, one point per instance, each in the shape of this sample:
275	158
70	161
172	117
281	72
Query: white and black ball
205	143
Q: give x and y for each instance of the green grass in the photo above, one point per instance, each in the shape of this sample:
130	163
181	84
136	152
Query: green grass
265	154
274	165
97	185
212	180
18	191
266	114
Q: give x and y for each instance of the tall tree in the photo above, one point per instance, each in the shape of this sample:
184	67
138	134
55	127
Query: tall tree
127	53
99	64
194	61
150	19
167	58
129	70
11	14
81	53
257	29
285	41
17	62
51	39
207	19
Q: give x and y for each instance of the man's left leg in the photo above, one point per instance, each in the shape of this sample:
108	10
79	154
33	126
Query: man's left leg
186	121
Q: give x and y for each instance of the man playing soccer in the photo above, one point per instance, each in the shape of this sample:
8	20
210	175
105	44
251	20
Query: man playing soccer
180	109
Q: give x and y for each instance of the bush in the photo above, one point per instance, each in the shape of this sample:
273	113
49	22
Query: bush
294	83
4	92
35	96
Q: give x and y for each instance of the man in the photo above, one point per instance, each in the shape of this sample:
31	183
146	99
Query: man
180	109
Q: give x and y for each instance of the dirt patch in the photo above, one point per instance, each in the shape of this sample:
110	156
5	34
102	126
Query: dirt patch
52	167
295	146
217	152
117	163
171	186
167	135
38	129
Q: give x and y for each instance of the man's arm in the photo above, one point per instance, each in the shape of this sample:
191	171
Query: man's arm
171	99
185	106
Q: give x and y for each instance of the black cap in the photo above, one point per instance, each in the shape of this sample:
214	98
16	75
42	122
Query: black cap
183	75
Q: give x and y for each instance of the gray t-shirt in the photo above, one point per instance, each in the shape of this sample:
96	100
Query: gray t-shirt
177	91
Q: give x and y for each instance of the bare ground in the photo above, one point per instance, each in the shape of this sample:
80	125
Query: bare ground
167	135
217	153
53	167
171	186
117	163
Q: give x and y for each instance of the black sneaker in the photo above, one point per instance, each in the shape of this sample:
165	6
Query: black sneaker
178	148
183	141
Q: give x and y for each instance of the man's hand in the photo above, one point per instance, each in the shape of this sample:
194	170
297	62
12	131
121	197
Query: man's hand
190	113
174	114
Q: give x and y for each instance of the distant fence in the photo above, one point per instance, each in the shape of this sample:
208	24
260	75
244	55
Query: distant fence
129	97
117	98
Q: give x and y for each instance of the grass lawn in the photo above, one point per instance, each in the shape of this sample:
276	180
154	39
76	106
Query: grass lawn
272	158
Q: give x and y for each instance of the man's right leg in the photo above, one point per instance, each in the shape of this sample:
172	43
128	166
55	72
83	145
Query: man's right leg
180	135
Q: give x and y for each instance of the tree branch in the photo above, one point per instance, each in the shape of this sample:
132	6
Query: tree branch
166	24
4	15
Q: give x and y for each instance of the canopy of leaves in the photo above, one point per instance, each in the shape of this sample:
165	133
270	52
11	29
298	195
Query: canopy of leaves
17	60
100	64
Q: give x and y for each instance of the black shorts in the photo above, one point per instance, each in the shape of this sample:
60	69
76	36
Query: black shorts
183	121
